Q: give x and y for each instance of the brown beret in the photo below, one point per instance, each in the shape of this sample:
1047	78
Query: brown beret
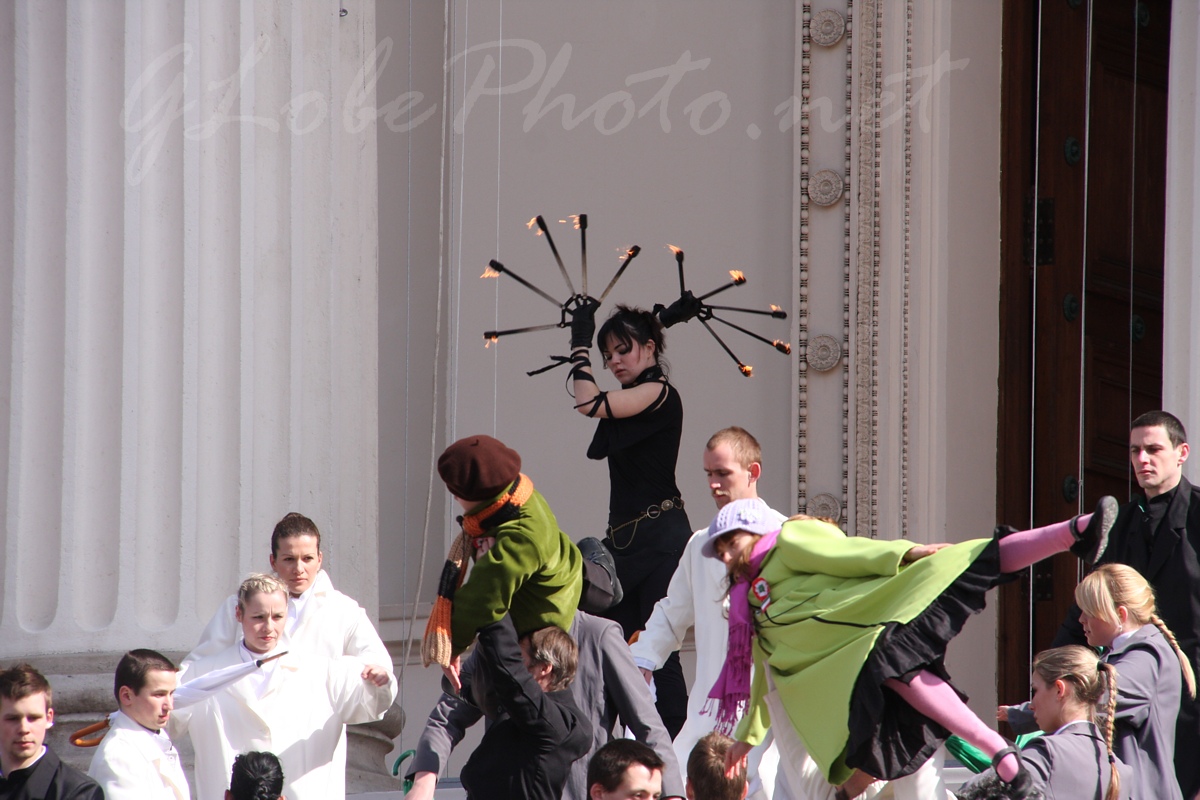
478	467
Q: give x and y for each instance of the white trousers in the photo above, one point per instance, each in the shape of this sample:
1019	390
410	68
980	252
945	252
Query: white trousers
806	781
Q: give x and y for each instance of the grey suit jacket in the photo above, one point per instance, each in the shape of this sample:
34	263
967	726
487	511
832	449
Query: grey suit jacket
1149	683
607	685
1070	765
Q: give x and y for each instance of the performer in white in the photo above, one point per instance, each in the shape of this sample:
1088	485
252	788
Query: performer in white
321	620
296	706
136	759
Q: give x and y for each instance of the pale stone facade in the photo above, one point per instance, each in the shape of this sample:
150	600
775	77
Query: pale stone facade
207	326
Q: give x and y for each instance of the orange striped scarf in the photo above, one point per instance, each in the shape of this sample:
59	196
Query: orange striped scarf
436	647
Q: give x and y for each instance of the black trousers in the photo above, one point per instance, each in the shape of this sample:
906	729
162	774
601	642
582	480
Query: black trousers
644	577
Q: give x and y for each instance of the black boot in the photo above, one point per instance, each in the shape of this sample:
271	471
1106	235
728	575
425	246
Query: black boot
1091	542
601	587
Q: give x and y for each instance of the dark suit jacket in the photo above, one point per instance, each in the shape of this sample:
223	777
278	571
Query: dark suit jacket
528	752
607	685
1173	569
49	779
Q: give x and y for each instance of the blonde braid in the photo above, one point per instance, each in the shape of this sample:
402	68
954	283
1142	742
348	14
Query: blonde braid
1189	676
1114	779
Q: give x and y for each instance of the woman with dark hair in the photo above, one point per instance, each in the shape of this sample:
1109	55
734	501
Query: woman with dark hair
639	431
256	776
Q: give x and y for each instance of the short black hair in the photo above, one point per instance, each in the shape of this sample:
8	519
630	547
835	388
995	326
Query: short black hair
135	666
256	776
610	762
1169	422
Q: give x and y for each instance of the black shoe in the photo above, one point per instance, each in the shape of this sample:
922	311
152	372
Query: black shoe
1021	786
1091	542
593	550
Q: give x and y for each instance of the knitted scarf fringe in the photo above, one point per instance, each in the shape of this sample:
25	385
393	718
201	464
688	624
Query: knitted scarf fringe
437	644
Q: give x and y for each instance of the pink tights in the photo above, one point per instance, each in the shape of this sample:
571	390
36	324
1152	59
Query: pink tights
1019	550
937	700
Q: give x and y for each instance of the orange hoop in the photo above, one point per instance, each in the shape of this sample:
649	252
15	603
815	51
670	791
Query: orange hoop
77	738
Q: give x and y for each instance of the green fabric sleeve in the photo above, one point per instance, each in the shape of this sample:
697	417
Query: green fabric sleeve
487	595
815	547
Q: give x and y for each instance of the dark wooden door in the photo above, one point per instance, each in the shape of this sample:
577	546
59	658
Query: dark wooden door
1083	164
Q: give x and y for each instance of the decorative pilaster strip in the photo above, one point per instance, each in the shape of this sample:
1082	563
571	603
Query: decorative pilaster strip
867	287
907	343
802	275
846	265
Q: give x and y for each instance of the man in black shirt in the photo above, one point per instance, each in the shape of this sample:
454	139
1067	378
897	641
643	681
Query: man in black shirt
528	751
1159	536
28	769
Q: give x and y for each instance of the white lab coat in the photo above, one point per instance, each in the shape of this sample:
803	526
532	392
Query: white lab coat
332	625
300	716
697	598
133	763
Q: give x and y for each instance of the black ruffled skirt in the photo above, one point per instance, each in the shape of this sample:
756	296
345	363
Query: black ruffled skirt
889	738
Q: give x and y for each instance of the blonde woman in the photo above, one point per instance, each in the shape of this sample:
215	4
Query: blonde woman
296	706
1119	614
1072	689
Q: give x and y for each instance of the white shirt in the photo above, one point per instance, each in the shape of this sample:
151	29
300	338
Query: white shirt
136	763
697	597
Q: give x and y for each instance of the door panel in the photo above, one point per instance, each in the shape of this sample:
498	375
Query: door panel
1081	314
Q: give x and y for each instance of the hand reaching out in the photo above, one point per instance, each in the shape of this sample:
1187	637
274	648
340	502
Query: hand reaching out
376	675
735	759
923	551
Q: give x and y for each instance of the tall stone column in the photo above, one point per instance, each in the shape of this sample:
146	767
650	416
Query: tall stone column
188	342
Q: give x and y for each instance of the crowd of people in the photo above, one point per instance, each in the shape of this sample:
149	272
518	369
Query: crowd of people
820	657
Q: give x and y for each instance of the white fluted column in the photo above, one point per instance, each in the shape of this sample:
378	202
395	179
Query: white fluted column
1181	290
188	346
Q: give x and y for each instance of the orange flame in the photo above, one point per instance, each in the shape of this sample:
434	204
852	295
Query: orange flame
782	346
574	217
531	223
674	249
738	276
747	370
488	272
775	307
487	341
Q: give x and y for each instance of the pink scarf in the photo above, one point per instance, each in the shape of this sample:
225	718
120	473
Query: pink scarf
732	689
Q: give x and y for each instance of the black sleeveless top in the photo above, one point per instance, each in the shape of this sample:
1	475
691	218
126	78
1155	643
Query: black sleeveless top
642	452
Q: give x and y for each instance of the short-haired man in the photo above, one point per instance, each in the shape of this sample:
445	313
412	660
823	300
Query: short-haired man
29	770
625	770
1159	536
136	760
528	751
707	779
696	597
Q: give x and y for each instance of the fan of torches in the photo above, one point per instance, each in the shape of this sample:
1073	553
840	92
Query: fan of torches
686	308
